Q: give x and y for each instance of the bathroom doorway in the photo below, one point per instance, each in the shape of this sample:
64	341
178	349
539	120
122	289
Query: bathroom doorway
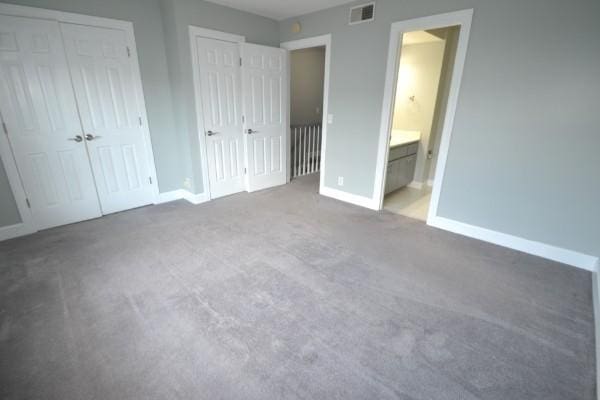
426	60
424	71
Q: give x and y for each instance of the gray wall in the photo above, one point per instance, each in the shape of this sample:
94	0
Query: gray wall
307	73
524	156
177	16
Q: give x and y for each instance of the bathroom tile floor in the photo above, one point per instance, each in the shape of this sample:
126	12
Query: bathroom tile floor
410	202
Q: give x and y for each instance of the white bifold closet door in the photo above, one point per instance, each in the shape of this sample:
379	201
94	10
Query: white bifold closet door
264	77
220	88
40	113
103	75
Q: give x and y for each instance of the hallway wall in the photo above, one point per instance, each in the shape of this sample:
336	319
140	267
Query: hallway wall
307	73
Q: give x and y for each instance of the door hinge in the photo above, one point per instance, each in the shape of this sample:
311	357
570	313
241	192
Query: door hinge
128	51
28	203
140	120
4	128
243	119
240	61
150	179
245	171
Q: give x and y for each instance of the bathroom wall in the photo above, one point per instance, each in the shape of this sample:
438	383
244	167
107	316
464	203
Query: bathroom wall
306	85
416	94
451	35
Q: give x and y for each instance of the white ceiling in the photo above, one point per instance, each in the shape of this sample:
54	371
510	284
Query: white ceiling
280	9
418	37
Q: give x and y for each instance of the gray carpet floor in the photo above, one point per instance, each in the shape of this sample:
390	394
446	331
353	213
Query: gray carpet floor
284	294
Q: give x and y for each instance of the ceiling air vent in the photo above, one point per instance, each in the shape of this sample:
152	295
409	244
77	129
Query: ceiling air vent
362	13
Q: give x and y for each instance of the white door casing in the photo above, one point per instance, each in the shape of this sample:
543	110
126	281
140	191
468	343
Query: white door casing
220	90
264	80
103	74
40	113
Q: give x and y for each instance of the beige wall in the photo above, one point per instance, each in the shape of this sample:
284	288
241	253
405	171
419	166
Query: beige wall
307	68
418	76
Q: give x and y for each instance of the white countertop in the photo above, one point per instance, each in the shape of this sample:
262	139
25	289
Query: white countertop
400	137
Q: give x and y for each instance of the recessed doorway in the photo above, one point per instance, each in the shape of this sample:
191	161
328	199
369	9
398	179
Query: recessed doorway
425	63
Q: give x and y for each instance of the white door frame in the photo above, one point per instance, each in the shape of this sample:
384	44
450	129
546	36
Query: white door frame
27	225
194	32
462	18
316	41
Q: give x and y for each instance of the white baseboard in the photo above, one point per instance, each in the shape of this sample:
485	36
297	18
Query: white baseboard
195	198
415	185
430	182
166	197
349	198
16	230
181	194
544	250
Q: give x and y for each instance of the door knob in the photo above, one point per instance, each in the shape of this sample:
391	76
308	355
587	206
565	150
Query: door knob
211	133
89	137
77	138
250	131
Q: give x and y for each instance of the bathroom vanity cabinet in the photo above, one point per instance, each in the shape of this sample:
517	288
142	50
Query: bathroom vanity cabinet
401	166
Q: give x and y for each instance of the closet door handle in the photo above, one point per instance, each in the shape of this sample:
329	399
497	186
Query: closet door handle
211	133
250	131
89	137
77	138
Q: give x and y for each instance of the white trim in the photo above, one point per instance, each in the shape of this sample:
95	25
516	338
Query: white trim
62	16
195	198
544	250
462	18
315	41
197	31
16	230
80	19
193	33
167	197
348	197
182	194
430	182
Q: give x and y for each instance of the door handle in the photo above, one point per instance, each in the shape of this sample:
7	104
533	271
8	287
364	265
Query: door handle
211	133
250	131
89	137
77	138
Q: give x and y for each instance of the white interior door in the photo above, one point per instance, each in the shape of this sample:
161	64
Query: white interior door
220	91
104	81
264	77
39	110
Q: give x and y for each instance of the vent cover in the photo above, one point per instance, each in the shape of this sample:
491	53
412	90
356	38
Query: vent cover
362	13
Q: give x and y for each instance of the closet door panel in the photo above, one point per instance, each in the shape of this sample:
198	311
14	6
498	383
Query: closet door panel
103	78
38	107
